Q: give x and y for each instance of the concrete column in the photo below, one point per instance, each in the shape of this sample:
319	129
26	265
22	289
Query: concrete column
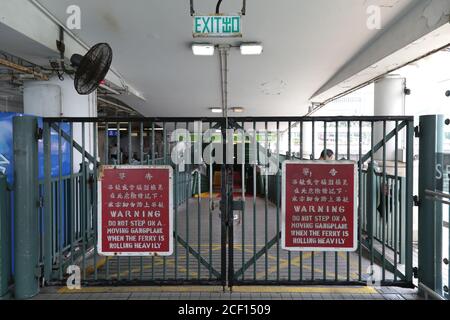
26	224
56	98
389	101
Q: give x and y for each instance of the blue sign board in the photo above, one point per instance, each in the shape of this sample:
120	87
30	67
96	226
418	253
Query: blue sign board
7	152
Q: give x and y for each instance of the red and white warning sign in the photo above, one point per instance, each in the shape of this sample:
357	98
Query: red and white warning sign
319	206
135	211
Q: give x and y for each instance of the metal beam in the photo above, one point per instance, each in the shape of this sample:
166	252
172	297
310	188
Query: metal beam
35	22
398	45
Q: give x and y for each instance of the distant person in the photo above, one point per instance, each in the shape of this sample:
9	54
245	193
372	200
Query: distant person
327	155
114	152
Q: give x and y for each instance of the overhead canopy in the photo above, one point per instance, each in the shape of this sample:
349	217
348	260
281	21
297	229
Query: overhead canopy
310	49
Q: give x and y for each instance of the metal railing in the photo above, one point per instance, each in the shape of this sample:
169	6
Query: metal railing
213	245
433	202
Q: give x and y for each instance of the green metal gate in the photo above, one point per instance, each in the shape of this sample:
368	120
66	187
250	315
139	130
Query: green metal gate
227	216
385	203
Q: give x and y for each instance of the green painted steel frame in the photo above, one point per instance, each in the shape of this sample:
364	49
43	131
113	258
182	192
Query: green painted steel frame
227	274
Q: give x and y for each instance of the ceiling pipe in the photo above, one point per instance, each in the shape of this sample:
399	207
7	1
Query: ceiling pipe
218	6
22	69
244	7
116	105
192	8
223	55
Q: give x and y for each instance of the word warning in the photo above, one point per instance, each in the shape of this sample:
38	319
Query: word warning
135	213
319	206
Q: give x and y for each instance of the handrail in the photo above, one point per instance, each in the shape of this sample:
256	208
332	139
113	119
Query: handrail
430	293
435	195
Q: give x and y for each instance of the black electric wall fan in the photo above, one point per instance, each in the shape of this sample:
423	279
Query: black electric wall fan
89	70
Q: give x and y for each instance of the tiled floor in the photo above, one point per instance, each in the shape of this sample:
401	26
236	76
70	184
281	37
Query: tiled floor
386	293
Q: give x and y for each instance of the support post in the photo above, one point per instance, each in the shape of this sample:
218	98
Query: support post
5	238
48	221
26	233
371	205
430	212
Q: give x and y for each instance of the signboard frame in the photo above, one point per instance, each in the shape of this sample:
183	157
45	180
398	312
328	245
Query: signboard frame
100	213
217	35
355	206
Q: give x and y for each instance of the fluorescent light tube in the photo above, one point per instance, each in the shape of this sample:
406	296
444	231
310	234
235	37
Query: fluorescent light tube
200	49
248	49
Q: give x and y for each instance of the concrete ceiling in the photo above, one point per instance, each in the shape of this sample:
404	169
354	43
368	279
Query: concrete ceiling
306	42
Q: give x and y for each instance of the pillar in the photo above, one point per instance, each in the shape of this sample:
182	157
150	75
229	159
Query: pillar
26	225
56	98
389	101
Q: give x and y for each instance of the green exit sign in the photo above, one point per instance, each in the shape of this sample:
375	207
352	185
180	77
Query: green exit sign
217	26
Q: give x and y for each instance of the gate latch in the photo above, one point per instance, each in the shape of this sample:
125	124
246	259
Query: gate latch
416	201
238	205
417	132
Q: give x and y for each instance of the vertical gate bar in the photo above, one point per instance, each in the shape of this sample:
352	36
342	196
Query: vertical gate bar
244	199
106	162
277	190
199	226
119	162
48	257
153	163
225	219
106	148
325	125
153	144
60	204
349	155
73	185
199	191
384	195
360	204
266	201
187	198
95	199
395	213
141	155
84	199
336	256
230	210
313	157
176	204
211	177
255	142
301	158
164	139
289	158
373	194
409	201
130	161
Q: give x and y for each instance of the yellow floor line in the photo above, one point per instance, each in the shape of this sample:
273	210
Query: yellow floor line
178	289
328	290
212	289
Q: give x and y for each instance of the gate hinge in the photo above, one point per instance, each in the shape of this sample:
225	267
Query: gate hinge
417	132
416	201
38	271
39	134
415	272
41	202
